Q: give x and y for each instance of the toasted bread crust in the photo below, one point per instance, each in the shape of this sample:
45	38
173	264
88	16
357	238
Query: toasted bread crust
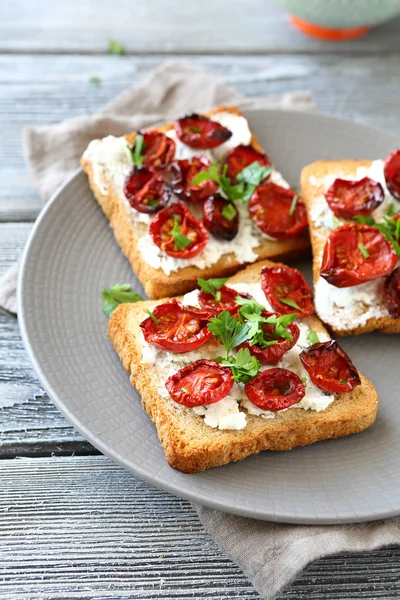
191	446
155	282
318	235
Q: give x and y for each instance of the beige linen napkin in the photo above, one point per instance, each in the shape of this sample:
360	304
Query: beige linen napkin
270	554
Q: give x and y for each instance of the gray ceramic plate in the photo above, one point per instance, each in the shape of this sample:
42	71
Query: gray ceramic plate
72	255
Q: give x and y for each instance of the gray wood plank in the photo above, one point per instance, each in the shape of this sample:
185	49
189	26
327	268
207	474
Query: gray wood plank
46	89
84	26
83	528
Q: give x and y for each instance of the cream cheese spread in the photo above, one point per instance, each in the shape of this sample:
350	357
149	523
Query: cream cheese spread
232	411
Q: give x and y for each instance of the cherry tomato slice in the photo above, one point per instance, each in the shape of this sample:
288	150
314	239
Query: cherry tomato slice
391	170
200	132
348	199
275	389
392	294
329	367
202	382
241	157
146	190
177	232
180	175
227	300
159	150
354	254
216	222
273	354
270	208
284	288
178	328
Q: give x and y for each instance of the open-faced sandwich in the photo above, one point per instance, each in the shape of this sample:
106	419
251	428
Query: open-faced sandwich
354	216
239	366
195	198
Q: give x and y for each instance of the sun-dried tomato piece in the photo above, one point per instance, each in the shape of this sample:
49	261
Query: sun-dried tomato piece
392	293
180	174
277	211
241	157
158	149
273	354
329	367
354	254
287	291
220	217
348	199
146	191
392	173
275	389
202	382
200	132
177	232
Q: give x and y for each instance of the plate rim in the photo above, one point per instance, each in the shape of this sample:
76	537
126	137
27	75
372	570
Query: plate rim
107	450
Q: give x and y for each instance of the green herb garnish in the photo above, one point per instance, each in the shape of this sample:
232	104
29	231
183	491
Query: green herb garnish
115	47
251	312
229	330
343	380
388	226
363	250
244	366
180	240
212	286
290	302
293	205
152	317
185	390
229	212
95	80
119	293
312	337
136	151
194	129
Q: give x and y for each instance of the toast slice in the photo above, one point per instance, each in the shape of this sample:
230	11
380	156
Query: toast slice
131	228
189	444
358	309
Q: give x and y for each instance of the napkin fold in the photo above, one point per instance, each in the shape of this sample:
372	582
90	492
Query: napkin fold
271	554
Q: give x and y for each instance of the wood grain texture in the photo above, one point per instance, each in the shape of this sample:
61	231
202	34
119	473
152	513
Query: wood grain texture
84	26
82	528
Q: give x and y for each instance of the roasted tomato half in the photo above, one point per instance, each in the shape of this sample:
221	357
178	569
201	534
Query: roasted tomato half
329	367
287	291
200	132
177	232
158	149
277	211
241	157
392	293
275	389
146	190
392	173
225	300
354	254
273	354
220	217
180	174
348	199
177	328
202	382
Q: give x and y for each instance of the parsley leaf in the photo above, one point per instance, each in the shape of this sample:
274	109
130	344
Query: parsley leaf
363	250
388	226
95	80
293	205
343	380
290	302
251	312
211	286
254	173
152	317
244	366
312	337
231	332
180	240
118	294
136	151
115	47
229	212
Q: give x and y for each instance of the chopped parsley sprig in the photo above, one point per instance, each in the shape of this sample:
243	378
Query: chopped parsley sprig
229	330
244	366
180	240
248	180
389	226
212	286
119	293
136	151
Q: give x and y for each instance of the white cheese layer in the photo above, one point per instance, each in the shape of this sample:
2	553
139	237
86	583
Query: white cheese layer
348	308
231	412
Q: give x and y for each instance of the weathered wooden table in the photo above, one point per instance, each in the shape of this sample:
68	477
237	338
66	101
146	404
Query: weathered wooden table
72	524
